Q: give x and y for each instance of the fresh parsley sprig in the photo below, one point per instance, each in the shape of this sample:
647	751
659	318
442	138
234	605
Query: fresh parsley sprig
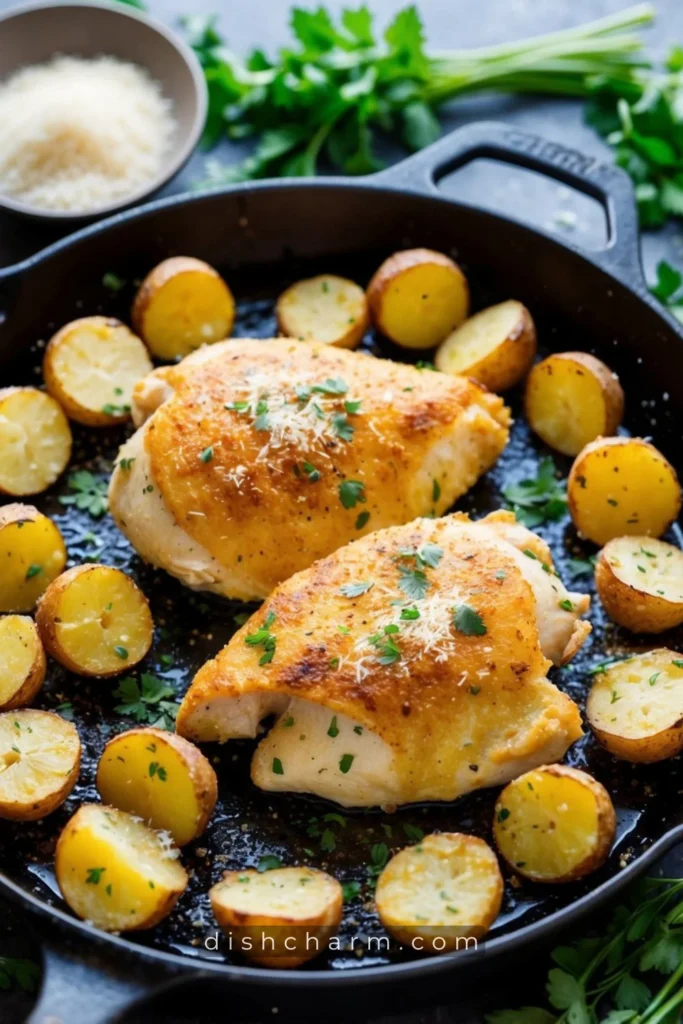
538	499
89	493
616	978
669	286
147	701
338	83
18	971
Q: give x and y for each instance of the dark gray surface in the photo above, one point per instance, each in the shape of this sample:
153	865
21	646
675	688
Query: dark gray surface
448	23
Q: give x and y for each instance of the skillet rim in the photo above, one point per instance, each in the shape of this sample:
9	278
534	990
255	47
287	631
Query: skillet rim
386	181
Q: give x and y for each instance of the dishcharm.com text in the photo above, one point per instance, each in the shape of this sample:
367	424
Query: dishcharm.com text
312	943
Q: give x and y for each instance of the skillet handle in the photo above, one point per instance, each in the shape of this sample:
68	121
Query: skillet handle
86	984
608	184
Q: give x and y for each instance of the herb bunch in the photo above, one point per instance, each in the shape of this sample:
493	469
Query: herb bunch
337	85
633	974
538	499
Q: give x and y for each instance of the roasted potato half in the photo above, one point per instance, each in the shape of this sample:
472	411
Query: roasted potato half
554	824
40	756
91	366
640	583
495	347
115	871
571	398
22	661
622	486
278	918
162	778
95	621
635	707
32	554
35	441
326	308
417	297
183	303
438	894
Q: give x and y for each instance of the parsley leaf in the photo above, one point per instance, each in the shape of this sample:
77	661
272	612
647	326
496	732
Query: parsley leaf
351	492
268	862
467	621
413	582
25	973
356	589
540	499
90	493
146	701
265	639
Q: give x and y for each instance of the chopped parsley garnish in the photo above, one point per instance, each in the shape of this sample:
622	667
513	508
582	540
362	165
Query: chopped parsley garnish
146	701
379	855
409	614
653	678
436	491
32	571
351	492
333	730
265	639
581	566
268	862
413	582
237	407
350	890
677	662
353	406
345	762
126	463
614	697
277	766
93	875
424	364
341	426
156	769
109	409
566	605
121	652
112	281
288	722
356	589
328	841
90	494
540	499
426	555
503	814
362	519
206	455
311	472
388	650
466	620
413	832
332	386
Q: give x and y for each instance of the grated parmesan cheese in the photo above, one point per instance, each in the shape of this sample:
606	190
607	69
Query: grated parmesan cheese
77	134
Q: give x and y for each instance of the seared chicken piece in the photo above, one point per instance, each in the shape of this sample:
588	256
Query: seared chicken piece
408	666
256	458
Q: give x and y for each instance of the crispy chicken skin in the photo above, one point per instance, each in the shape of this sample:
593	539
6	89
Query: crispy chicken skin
464	704
234	480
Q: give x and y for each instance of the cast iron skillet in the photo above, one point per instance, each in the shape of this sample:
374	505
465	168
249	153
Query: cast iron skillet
262	236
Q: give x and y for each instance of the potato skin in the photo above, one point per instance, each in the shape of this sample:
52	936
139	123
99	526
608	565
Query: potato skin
635	609
644	749
33	810
47	621
55	385
36	675
606	825
504	366
155	281
589	366
244	925
594	520
395	266
200	772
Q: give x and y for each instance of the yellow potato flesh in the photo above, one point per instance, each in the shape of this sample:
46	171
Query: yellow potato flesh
546	825
38	751
650	565
98	364
639	697
100	611
32	554
19	648
147	777
322	309
191	309
114	871
565	405
479	336
35	441
624	489
423	304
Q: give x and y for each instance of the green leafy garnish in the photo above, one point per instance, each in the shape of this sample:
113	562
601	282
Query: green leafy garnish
413	832
146	701
540	499
351	492
206	455
93	875
350	890
595	979
362	519
90	493
669	281
337	84
111	280
466	620
345	762
277	766
25	973
155	769
356	589
265	639
32	571
268	862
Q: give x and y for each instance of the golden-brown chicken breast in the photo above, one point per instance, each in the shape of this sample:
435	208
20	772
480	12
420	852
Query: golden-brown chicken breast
256	458
408	666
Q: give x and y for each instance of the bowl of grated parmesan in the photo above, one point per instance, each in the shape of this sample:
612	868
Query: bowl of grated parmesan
100	106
